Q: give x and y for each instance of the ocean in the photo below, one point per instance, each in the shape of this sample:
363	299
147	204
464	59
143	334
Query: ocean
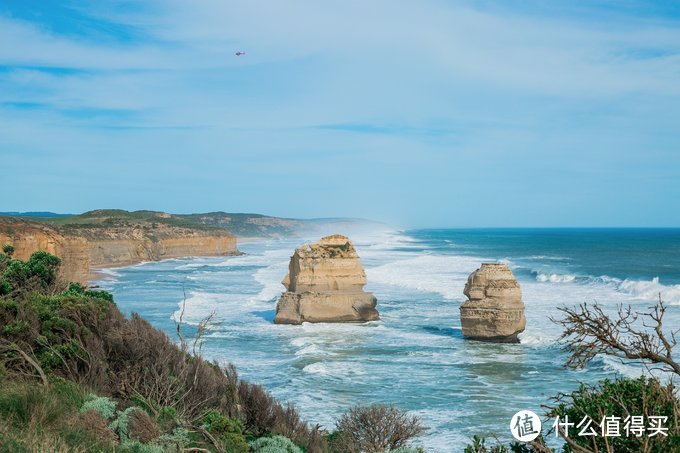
415	356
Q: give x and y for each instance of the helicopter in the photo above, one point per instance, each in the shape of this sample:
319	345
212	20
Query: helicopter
239	53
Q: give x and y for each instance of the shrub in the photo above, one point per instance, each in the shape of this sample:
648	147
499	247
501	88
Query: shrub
263	414
141	427
15	328
275	444
39	272
227	431
121	424
479	446
104	406
216	423
8	250
76	289
69	393
234	443
618	398
179	438
96	427
621	398
376	428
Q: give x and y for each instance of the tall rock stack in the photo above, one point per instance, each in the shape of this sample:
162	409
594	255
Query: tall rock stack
325	283
494	310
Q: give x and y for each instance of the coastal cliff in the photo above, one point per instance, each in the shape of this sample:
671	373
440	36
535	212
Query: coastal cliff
28	237
100	239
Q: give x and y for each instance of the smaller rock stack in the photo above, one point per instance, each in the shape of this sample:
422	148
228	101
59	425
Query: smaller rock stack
494	310
325	283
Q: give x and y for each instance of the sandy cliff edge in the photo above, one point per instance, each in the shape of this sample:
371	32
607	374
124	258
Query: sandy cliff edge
85	249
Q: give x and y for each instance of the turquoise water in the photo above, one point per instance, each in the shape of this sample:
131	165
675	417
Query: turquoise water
415	356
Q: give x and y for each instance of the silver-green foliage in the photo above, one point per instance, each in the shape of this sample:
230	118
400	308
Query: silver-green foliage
275	444
106	407
121	424
179	438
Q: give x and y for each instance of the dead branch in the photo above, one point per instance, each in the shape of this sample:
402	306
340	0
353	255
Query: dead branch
589	332
202	326
6	345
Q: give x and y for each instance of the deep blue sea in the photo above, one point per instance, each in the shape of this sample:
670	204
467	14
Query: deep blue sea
415	356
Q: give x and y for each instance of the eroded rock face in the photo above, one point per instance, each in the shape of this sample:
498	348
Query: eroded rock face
325	283
494	310
28	237
82	249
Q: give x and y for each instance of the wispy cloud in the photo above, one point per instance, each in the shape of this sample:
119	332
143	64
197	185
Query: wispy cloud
545	93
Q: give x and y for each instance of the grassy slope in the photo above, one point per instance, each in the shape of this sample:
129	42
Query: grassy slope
118	218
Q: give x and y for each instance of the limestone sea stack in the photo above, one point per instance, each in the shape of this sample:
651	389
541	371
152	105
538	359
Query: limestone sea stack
325	283
494	310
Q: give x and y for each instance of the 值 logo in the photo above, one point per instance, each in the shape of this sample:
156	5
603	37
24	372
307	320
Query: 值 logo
525	426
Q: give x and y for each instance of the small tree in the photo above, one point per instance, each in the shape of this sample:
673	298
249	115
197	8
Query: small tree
376	428
8	250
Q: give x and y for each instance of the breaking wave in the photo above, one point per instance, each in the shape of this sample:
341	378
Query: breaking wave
649	290
555	278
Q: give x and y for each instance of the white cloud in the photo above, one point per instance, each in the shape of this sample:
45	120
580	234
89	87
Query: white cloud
540	92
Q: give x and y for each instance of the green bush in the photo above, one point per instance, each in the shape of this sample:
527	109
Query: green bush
618	398
234	443
228	431
39	272
76	289
216	423
479	445
8	251
621	398
70	394
16	327
274	444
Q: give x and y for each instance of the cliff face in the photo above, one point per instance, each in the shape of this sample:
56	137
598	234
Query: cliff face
119	252
121	245
82	247
494	310
28	237
325	284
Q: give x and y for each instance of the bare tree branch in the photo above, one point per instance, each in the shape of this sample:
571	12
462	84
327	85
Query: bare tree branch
589	332
6	345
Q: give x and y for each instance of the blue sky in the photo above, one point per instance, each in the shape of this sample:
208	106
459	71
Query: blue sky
418	113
